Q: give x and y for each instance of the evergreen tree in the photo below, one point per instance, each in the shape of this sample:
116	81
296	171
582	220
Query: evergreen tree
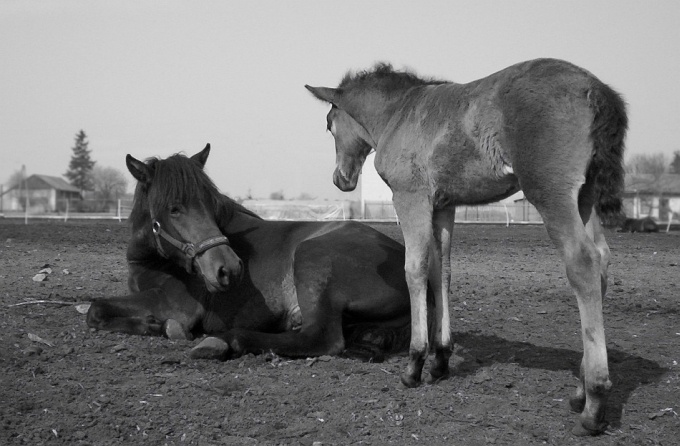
80	168
675	164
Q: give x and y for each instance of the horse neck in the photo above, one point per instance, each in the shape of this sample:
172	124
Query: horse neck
239	221
233	217
373	110
141	245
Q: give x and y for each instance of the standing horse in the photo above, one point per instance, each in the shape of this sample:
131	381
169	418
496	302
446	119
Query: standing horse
201	263
544	126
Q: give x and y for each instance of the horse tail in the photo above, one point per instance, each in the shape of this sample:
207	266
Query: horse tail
605	174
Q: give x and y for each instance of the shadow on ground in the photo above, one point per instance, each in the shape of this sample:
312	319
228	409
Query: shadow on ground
627	372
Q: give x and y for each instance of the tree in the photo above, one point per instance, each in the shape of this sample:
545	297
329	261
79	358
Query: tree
80	168
655	164
276	195
109	183
16	179
675	164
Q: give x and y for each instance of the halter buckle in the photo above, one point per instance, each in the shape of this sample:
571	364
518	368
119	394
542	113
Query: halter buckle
189	250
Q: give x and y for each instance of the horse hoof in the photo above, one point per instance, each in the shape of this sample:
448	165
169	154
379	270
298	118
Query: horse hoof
409	380
435	378
210	348
580	430
174	330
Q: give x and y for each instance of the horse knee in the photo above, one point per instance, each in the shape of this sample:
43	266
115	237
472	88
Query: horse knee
96	315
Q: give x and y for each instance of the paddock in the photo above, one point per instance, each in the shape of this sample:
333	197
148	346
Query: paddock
514	321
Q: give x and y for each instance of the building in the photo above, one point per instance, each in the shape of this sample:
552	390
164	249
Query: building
654	196
45	194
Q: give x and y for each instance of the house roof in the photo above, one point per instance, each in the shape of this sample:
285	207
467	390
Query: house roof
57	183
644	183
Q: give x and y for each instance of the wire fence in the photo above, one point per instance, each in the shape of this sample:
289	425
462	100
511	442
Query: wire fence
65	209
496	213
377	211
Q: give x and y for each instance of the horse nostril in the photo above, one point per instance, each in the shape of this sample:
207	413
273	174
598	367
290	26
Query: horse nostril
223	276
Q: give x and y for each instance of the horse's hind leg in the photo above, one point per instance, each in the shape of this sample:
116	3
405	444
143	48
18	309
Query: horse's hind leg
596	233
585	254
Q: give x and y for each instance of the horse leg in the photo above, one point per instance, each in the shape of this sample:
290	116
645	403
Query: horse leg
152	312
320	305
314	338
440	280
585	261
415	214
320	334
596	233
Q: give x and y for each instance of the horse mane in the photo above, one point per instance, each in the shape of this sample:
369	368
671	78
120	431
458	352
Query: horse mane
179	180
384	78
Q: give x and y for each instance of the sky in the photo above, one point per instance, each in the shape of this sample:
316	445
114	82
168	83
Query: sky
153	78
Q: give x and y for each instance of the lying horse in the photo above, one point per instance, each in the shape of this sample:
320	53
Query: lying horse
544	126
201	263
646	224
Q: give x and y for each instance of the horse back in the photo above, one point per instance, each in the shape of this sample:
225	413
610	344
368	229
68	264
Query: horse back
467	142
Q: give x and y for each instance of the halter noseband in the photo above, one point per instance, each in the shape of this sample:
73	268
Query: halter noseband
189	250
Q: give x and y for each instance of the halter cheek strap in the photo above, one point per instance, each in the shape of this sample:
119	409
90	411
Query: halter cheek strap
189	250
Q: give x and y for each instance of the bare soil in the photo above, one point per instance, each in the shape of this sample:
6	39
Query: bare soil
515	324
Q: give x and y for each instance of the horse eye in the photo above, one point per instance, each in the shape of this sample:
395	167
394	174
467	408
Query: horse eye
175	210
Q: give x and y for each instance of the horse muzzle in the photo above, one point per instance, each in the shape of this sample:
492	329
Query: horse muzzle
220	269
344	183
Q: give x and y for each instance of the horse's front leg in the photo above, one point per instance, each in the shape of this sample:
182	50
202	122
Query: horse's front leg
415	215
152	312
440	280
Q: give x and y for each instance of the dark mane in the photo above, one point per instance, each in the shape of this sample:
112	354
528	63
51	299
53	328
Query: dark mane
178	180
383	77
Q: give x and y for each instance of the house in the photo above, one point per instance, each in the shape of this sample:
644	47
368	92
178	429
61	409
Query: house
657	196
45	194
644	195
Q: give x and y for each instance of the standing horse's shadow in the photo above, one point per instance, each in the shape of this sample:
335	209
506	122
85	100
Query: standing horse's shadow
627	371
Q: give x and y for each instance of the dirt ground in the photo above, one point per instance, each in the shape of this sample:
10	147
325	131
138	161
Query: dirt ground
515	324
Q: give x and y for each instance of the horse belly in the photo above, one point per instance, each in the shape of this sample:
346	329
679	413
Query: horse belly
458	178
472	192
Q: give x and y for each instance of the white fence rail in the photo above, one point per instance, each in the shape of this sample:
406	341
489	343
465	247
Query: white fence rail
518	213
74	209
497	213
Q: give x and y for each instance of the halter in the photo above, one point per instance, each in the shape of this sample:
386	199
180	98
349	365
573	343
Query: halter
189	250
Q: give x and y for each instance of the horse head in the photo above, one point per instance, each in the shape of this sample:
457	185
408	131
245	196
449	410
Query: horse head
353	143
178	204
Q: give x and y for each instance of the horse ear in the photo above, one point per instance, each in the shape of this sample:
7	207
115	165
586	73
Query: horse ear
138	169
202	156
330	95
